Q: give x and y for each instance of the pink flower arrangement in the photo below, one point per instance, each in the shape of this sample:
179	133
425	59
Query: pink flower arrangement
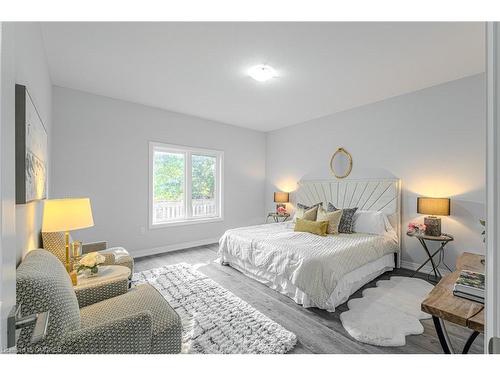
416	227
281	210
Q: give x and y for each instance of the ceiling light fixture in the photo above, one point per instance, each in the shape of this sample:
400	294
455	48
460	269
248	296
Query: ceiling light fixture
262	73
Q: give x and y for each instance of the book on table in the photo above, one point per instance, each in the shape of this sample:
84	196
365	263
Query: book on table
468	296
470	283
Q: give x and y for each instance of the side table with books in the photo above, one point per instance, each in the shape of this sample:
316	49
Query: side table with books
444	305
470	285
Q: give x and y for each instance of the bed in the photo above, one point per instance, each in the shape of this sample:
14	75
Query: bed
318	271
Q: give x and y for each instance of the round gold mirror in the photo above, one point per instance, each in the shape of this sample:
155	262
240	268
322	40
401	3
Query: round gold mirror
341	163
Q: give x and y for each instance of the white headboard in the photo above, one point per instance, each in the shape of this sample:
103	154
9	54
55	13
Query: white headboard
367	194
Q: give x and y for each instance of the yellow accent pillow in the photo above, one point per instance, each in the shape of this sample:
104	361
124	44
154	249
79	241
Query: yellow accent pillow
309	214
333	219
315	227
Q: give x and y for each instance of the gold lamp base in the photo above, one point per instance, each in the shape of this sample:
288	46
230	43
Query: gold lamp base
68	259
68	265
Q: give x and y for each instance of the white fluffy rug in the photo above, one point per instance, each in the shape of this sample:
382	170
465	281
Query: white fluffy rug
387	313
213	319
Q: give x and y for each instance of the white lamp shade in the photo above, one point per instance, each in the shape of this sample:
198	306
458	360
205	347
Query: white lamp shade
60	215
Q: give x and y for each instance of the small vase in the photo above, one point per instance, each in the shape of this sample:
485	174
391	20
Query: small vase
91	272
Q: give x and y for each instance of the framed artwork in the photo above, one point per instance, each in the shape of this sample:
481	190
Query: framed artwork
31	150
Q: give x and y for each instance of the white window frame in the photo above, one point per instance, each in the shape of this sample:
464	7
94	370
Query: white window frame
219	184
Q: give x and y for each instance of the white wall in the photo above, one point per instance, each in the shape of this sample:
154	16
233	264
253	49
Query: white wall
100	150
22	61
33	72
433	139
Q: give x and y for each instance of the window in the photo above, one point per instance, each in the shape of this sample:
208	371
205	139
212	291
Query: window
185	185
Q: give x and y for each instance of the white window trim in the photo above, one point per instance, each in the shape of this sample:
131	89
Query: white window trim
187	169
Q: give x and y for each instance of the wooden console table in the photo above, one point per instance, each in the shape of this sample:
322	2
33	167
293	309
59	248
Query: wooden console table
443	305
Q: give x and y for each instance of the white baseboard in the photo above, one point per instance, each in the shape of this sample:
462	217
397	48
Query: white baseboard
178	246
426	269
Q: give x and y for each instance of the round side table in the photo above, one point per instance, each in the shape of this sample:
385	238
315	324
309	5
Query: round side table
277	217
110	281
443	239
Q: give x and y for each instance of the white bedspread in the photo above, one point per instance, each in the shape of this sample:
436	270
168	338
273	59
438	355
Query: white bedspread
314	264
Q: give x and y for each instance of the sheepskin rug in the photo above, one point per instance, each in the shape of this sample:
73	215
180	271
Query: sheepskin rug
215	321
385	315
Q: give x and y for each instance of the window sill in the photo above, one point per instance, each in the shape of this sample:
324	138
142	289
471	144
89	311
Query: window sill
186	222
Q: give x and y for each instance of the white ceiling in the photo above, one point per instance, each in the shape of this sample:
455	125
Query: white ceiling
200	68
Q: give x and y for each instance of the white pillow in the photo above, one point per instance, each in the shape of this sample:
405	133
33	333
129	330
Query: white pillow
392	221
372	222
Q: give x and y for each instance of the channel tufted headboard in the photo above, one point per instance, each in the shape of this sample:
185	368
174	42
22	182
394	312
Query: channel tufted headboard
367	194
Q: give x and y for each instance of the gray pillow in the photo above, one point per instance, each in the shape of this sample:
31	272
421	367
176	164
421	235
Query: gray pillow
347	220
303	206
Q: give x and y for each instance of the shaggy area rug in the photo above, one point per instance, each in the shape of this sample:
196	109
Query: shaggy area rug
385	315
214	320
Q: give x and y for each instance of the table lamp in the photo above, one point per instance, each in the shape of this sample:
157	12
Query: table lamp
281	198
433	206
63	215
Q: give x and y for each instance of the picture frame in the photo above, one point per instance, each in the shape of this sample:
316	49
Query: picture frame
31	149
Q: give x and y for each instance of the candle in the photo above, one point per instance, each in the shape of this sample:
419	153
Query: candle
76	249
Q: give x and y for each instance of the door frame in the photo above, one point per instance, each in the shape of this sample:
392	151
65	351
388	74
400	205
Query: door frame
2	325
492	183
7	179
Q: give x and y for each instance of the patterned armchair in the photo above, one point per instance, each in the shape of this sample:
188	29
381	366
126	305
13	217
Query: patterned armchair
54	242
140	321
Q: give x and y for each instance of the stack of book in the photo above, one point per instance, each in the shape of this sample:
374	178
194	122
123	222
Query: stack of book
470	285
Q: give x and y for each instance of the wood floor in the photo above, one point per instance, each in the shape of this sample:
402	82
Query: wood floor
317	331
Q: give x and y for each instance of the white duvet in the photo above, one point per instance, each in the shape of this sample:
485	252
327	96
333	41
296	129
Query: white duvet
312	263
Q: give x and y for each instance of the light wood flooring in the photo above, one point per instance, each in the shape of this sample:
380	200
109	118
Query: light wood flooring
318	331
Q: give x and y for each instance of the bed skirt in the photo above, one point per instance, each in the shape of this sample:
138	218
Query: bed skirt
346	286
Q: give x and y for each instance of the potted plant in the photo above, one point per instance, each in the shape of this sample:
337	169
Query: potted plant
90	263
416	228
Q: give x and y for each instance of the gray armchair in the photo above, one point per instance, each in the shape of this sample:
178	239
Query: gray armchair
140	321
55	243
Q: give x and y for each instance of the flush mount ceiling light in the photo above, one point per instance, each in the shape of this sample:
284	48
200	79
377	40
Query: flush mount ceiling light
262	73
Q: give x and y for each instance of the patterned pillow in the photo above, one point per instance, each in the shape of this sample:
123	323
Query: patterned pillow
347	221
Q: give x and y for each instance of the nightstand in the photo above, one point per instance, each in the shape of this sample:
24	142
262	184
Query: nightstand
443	239
278	217
110	281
